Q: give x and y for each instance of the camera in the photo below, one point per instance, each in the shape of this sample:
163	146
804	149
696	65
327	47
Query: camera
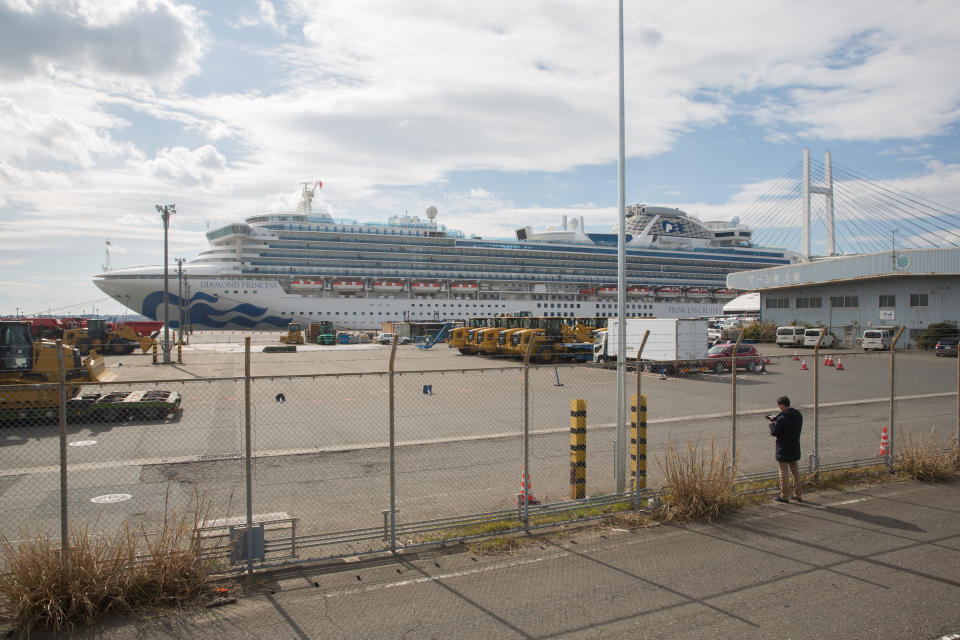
771	416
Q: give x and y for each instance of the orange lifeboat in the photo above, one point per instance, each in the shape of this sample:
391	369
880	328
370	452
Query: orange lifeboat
607	291
387	286
348	286
724	293
464	287
588	292
306	285
639	292
697	292
668	292
424	288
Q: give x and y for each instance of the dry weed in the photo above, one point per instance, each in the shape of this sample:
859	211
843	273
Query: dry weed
42	588
701	482
926	459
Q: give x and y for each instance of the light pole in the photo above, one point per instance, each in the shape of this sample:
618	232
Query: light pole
165	212
180	298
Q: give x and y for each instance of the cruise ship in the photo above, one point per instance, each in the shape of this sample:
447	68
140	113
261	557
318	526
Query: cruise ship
305	266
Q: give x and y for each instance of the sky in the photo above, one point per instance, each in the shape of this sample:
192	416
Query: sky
501	114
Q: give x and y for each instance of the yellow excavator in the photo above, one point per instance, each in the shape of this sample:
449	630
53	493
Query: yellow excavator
30	377
98	336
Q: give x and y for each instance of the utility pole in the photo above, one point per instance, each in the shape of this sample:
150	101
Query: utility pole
165	212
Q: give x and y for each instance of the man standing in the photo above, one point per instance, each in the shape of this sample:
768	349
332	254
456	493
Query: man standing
785	427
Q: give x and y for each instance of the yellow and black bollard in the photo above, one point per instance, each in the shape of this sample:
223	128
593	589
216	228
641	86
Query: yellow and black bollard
638	443
578	449
154	352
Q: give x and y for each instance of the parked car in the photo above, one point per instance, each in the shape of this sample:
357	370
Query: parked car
387	338
877	339
719	357
810	338
947	347
790	336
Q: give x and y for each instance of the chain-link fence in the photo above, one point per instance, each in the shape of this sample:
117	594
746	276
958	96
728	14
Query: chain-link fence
321	479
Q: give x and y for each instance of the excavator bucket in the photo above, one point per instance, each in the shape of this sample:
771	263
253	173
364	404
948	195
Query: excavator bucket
96	366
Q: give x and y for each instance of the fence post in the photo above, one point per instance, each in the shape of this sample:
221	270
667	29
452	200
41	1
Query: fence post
733	410
525	479
893	377
64	524
578	449
248	461
638	446
816	401
393	453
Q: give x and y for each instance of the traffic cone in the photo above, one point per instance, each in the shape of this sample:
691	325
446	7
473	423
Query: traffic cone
795	356
830	359
526	493
826	361
839	364
803	365
884	443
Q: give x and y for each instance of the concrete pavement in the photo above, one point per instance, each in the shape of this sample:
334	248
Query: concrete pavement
881	562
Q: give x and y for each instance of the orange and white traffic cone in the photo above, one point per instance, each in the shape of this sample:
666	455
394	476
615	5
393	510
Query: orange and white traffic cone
839	364
830	363
803	365
795	356
526	492
884	443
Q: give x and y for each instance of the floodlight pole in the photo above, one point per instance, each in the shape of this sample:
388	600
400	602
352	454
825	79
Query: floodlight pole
165	212
619	464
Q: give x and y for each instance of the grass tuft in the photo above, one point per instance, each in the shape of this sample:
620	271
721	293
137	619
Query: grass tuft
42	588
926	459
701	482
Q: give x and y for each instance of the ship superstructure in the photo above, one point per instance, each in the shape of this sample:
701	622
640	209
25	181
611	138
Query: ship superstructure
304	266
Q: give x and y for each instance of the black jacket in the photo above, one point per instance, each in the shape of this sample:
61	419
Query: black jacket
785	427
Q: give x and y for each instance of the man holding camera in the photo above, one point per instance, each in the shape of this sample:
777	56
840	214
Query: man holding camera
785	427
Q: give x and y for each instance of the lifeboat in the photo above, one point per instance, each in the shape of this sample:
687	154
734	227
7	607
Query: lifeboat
668	292
724	293
607	291
588	292
348	286
464	287
387	286
697	292
424	288
638	292
306	285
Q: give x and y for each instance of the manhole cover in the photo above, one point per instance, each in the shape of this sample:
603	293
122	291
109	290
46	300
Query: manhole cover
111	497
82	443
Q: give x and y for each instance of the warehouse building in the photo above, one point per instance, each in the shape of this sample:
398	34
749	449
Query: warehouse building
912	288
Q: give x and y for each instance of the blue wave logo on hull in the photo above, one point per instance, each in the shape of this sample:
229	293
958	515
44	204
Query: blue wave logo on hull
245	315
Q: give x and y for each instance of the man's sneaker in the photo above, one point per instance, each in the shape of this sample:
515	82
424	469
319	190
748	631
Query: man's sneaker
781	499
798	498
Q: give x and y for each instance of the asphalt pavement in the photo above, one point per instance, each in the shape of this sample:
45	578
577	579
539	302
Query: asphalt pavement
869	562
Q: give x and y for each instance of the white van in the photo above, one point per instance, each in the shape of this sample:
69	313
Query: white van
877	339
790	336
810	338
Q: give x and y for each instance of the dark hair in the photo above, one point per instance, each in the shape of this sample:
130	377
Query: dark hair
784	400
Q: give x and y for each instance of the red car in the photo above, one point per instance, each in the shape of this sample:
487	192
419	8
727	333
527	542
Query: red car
719	357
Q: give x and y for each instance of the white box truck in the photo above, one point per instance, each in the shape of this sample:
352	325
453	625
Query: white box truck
671	340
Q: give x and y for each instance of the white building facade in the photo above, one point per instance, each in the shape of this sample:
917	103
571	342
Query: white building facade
912	288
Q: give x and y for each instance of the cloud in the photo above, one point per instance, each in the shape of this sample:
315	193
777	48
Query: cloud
186	167
153	40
